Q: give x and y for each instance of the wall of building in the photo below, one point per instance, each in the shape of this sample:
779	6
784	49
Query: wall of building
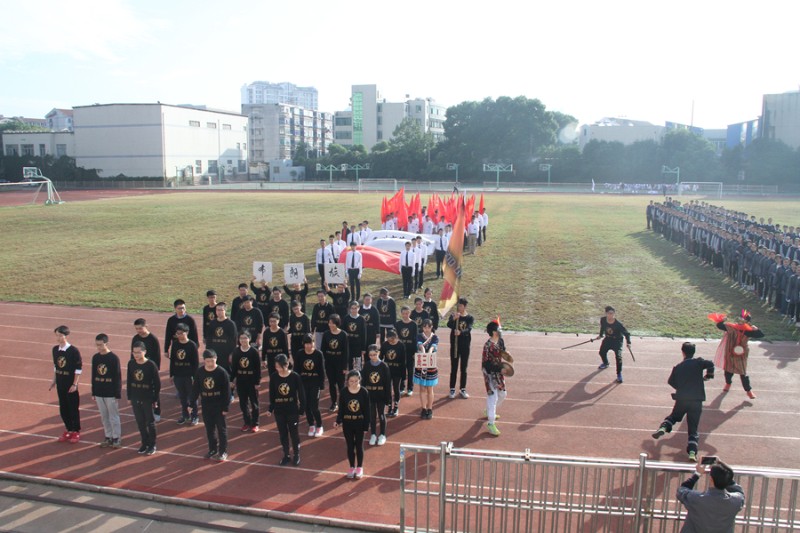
620	130
780	117
39	144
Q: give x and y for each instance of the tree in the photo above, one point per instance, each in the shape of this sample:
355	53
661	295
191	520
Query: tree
17	125
603	161
694	155
767	161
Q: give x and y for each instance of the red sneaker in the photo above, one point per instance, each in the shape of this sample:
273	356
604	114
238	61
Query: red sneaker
254	429
245	428
751	395
726	387
65	436
75	437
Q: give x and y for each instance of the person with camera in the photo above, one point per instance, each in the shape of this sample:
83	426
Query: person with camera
713	510
687	379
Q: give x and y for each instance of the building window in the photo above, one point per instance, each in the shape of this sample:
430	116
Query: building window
380	135
42	150
238	146
226	126
61	150
343	135
212	166
27	149
198	166
242	165
380	121
11	149
194	123
212	125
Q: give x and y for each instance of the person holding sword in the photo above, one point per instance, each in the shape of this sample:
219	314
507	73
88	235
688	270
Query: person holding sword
612	332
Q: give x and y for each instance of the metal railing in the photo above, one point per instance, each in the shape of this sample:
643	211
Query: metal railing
447	489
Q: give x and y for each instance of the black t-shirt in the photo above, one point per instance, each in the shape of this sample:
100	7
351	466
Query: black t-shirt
66	363
106	376
183	359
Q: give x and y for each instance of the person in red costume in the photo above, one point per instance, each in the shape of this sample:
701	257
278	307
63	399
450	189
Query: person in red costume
733	351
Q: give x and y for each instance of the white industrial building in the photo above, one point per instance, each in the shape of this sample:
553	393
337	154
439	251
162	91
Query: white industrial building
620	130
150	140
371	119
780	118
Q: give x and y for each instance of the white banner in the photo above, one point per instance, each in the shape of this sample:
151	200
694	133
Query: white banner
262	270
395	245
395	234
335	273
293	273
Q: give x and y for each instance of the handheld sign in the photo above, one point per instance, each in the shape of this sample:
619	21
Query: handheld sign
293	273
334	273
425	360
262	271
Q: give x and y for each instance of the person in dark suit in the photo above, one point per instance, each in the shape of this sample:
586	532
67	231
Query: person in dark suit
687	379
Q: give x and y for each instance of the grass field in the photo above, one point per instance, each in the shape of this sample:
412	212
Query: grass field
551	263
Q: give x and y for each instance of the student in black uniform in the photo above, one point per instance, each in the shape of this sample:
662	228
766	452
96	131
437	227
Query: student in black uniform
387	311
335	349
460	324
354	418
275	342
250	320
183	363
340	297
430	306
280	306
418	314
212	385
320	315
311	368
371	317
209	314
180	317
299	327
153	348
236	304
144	386
356	328
393	353
261	293
298	293
246	372
286	401
107	390
67	367
407	332
376	379
224	337
613	331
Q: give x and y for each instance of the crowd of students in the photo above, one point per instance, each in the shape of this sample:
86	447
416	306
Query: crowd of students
761	256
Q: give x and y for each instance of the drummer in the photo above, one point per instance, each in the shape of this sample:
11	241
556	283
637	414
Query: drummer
495	368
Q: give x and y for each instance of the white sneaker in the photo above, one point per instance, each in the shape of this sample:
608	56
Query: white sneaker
312	430
373	440
452	394
464	394
359	472
319	432
351	473
381	440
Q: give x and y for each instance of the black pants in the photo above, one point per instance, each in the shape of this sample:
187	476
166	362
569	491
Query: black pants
354	440
377	413
439	254
216	429
605	347
145	421
420	274
355	283
408	281
183	384
313	416
334	372
483	231
459	358
69	409
321	270
396	388
692	409
287	429
408	373
248	402
744	378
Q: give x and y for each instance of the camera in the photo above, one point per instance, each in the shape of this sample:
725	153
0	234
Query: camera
709	460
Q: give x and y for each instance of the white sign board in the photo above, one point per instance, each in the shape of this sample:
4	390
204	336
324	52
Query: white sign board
262	271
335	273
293	273
425	360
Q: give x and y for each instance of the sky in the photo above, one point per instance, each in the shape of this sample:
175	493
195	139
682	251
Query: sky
704	62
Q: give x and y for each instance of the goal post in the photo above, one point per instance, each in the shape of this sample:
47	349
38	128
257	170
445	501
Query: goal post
711	189
377	184
28	192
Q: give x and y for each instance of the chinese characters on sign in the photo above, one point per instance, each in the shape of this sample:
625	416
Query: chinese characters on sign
334	273
293	273
262	271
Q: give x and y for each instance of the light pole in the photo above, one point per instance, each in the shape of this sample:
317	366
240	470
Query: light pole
546	167
498	168
346	167
453	166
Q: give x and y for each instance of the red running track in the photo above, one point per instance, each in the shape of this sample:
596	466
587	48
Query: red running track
558	403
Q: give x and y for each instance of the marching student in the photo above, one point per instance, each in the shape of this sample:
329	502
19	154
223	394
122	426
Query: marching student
376	379
441	242
209	314
274	342
236	304
212	385
387	311
67	366
223	336
246	372
431	308
262	293
355	267
311	368
407	265
426	377
281	307
286	401
250	320
320	315
299	327
460	324
372	318
180	317
341	298
298	293
418	314
407	332
144	386
356	328
335	349
107	390
183	363
394	355
353	416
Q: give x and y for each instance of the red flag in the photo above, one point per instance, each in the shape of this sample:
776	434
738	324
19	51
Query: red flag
471	206
481	209
453	262
375	258
384	210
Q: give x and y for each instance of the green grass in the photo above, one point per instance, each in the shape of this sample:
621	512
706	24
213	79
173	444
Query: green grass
552	262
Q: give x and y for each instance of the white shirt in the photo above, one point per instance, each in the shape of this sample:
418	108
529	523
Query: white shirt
427	227
354	236
407	258
442	241
354	260
473	228
333	252
341	245
413	226
441	224
485	218
422	253
323	256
